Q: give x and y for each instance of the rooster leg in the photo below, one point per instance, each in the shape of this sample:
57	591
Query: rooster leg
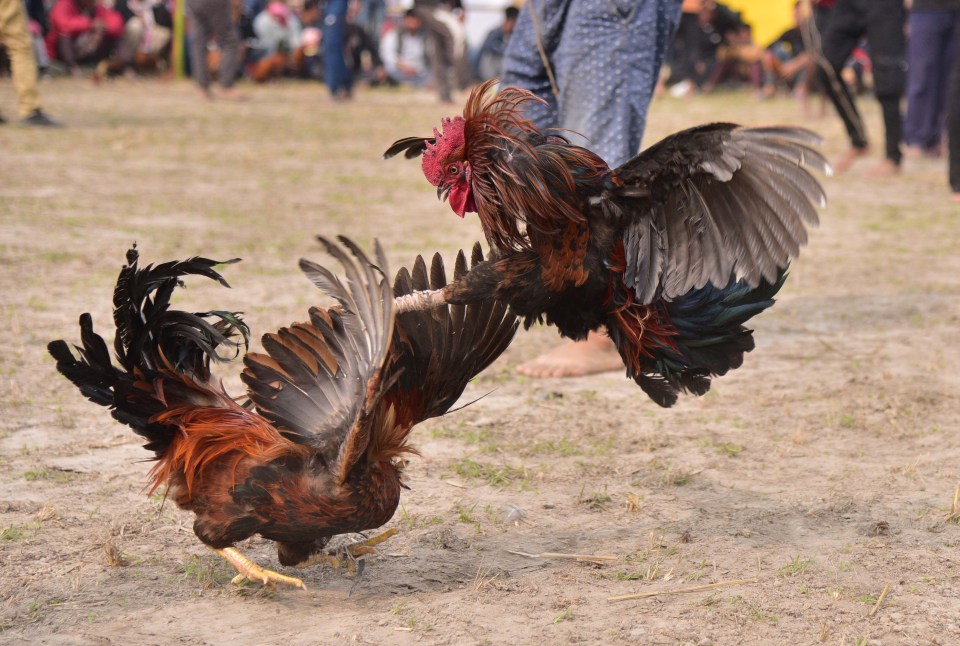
249	570
421	300
347	555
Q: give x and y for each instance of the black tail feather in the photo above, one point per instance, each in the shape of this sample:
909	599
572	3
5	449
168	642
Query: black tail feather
152	342
711	338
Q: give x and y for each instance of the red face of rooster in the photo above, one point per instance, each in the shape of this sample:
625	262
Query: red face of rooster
445	166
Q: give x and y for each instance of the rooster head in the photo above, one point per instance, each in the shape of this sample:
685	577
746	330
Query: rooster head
446	167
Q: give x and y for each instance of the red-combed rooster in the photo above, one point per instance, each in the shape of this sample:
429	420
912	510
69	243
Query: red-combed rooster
672	252
313	453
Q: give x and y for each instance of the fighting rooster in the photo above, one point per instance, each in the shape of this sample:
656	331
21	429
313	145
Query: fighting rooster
313	452
672	252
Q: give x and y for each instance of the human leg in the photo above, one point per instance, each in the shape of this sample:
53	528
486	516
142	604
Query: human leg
885	25
23	66
228	40
846	26
953	124
200	30
440	41
337	74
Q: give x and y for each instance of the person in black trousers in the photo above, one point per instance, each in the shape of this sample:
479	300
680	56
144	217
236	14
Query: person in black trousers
953	125
882	22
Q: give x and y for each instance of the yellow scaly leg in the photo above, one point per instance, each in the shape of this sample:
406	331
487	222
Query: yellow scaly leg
249	570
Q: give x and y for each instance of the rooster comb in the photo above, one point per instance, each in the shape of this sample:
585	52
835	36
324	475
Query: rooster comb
450	138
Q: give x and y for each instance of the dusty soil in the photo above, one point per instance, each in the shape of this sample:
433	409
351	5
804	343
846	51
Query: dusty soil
810	479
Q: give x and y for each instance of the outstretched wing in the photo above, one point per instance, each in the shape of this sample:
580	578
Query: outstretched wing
318	380
439	350
713	202
413	147
434	354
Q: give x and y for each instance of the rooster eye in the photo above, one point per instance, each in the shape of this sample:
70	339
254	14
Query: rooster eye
454	170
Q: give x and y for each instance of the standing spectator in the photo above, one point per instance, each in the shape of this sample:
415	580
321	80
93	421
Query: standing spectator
682	54
214	18
23	66
489	63
931	48
337	75
446	43
603	62
372	14
83	31
882	22
403	51
953	124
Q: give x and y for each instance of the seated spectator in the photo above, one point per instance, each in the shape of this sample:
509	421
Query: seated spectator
146	33
489	61
279	36
403	51
83	32
277	29
727	50
310	53
785	61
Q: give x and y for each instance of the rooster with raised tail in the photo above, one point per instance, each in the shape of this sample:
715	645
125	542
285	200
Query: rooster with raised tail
672	252
314	451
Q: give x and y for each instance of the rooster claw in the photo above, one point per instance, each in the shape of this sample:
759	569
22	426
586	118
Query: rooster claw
348	556
248	570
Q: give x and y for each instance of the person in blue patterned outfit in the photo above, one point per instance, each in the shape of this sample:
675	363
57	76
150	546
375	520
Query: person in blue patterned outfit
604	58
337	75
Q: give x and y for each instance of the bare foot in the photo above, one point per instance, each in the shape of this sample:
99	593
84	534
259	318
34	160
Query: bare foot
886	168
956	196
844	163
575	359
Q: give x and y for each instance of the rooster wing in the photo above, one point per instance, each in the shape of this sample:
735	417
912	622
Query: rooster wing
713	202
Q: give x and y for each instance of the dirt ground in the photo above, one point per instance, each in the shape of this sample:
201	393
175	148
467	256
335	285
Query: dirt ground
808	481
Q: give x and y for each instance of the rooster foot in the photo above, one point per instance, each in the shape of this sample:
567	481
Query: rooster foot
349	556
249	570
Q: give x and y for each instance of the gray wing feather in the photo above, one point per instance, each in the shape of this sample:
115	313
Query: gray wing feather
715	203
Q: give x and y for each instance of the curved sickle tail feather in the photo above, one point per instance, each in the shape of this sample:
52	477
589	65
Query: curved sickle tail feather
164	354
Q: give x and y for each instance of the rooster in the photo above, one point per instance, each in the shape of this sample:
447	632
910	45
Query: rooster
314	451
672	252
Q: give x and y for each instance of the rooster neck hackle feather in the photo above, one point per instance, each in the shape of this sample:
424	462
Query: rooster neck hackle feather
522	176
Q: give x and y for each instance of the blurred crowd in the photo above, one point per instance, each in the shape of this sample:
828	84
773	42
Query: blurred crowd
896	49
421	43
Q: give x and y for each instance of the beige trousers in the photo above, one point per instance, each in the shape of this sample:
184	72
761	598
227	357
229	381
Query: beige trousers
23	66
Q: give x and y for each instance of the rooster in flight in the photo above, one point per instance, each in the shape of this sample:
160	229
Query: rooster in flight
672	252
313	452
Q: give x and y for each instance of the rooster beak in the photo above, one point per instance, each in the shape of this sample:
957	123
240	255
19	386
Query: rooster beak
442	192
